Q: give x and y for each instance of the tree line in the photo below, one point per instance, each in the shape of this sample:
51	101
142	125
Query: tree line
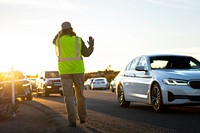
108	74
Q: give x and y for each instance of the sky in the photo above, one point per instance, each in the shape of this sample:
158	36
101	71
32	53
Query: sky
122	30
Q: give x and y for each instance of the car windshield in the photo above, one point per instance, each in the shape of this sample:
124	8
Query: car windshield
174	62
52	74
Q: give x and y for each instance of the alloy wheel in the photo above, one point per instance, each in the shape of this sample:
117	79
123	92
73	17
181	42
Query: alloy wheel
156	98
121	99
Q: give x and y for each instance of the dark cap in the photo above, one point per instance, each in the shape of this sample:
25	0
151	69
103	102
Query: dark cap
66	25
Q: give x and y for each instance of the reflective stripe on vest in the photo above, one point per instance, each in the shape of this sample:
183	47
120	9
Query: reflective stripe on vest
60	59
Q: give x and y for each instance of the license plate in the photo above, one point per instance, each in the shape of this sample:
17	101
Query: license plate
56	84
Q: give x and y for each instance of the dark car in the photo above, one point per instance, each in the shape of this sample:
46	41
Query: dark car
49	82
21	86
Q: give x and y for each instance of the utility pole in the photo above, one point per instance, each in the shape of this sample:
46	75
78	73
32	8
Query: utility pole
13	89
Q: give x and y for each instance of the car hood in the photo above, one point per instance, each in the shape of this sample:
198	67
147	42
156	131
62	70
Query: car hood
53	79
178	74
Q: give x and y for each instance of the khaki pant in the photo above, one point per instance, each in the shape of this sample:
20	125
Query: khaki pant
67	81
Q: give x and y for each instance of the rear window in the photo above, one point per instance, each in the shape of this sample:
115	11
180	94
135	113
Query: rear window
99	80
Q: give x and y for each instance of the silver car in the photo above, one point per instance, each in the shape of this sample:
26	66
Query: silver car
160	81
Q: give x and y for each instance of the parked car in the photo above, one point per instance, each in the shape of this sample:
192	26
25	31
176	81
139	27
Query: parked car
99	83
22	86
160	81
49	82
87	83
33	84
113	85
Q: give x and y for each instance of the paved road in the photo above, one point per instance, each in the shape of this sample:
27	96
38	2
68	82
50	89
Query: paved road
105	115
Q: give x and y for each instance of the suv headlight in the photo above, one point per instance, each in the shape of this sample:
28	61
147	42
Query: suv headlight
175	82
49	82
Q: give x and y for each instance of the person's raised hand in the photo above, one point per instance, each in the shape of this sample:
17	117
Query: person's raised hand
91	41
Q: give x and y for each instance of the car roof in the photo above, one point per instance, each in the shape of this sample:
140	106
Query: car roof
99	78
152	55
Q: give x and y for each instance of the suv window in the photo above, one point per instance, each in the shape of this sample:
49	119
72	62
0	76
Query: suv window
99	80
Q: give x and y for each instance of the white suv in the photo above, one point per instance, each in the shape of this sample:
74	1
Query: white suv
99	83
49	82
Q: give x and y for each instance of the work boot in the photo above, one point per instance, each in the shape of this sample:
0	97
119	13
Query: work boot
72	124
82	121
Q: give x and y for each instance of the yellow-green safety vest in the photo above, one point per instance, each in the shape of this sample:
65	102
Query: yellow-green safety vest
68	51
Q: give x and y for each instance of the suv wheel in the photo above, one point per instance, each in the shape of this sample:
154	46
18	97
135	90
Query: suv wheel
23	98
38	94
45	92
29	96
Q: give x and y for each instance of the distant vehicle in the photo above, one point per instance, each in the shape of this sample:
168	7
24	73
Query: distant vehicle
49	82
21	85
33	84
113	85
87	83
160	81
99	83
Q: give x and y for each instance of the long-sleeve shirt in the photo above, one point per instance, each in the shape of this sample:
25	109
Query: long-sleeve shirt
85	51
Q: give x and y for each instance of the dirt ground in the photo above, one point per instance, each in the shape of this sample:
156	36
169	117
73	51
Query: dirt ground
27	120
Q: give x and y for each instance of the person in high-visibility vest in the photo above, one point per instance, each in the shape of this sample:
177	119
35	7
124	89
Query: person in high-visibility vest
69	50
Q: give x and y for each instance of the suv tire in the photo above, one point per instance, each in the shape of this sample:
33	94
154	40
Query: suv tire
45	92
